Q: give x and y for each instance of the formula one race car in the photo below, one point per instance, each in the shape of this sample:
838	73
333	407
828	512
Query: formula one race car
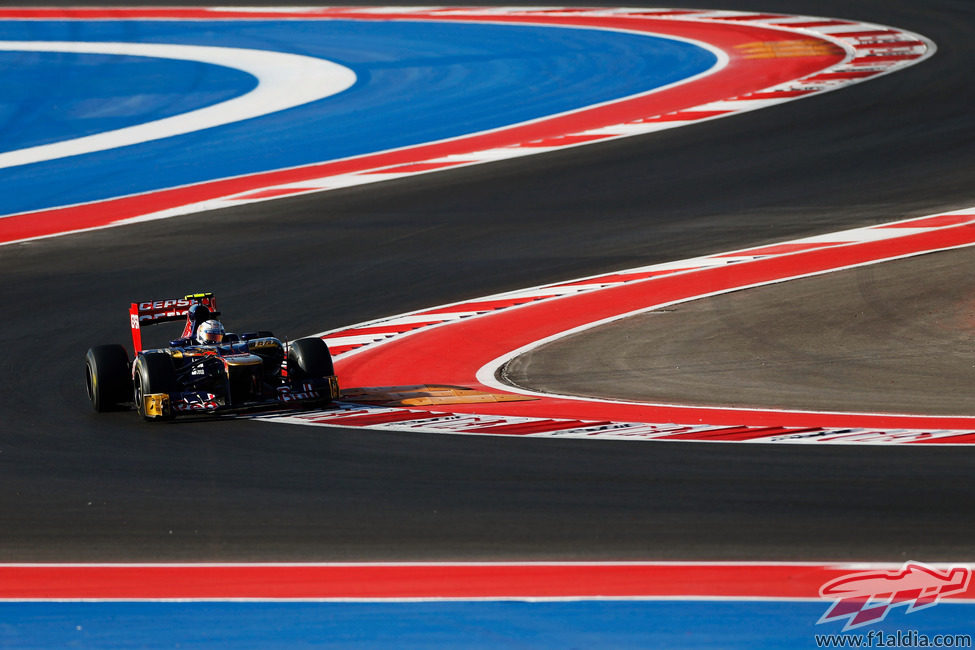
207	370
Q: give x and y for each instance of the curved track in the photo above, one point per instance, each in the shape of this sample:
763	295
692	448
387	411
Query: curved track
75	487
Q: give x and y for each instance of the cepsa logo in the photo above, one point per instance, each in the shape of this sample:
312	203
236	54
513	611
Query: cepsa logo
865	598
150	311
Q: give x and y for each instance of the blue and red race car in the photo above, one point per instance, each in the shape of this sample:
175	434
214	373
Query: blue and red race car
207	370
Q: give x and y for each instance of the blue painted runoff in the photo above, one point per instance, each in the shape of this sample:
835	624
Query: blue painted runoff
418	81
465	624
50	96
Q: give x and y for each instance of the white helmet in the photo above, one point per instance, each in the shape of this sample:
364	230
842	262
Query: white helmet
210	333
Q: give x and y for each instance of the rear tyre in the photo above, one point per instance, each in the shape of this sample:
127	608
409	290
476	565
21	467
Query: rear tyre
107	376
153	373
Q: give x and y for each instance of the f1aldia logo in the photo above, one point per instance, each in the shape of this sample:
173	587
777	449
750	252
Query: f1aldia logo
865	598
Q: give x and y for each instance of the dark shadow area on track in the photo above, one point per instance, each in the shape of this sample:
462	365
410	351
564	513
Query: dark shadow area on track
895	337
75	486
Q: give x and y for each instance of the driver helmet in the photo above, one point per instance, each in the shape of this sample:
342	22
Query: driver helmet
210	333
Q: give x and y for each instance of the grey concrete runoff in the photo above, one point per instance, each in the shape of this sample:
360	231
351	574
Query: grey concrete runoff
893	337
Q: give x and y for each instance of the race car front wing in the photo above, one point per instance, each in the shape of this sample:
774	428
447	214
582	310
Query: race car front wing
161	405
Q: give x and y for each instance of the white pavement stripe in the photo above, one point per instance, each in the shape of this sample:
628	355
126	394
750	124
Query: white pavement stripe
623	130
840	30
861	235
548	291
357	340
720	15
284	81
393	323
740	104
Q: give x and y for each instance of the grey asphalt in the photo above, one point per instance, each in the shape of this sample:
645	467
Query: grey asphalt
75	486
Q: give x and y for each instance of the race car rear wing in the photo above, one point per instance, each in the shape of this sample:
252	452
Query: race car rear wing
165	311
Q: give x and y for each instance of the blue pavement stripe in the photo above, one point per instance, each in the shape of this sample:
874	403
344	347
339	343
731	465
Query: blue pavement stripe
417	82
464	624
51	96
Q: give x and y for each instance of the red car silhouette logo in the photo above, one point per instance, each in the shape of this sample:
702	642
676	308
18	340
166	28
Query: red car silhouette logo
866	597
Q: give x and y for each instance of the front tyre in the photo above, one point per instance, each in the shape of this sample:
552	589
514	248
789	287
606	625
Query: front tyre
107	376
153	374
309	361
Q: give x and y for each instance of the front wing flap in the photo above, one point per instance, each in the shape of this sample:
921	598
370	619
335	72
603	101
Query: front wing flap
200	402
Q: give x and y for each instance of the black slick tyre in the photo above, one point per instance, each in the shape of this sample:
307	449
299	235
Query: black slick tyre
153	373
107	376
309	359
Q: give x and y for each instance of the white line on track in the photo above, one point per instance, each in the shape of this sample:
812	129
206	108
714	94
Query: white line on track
283	81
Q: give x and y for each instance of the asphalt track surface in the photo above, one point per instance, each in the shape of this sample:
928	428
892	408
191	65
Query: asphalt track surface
79	487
